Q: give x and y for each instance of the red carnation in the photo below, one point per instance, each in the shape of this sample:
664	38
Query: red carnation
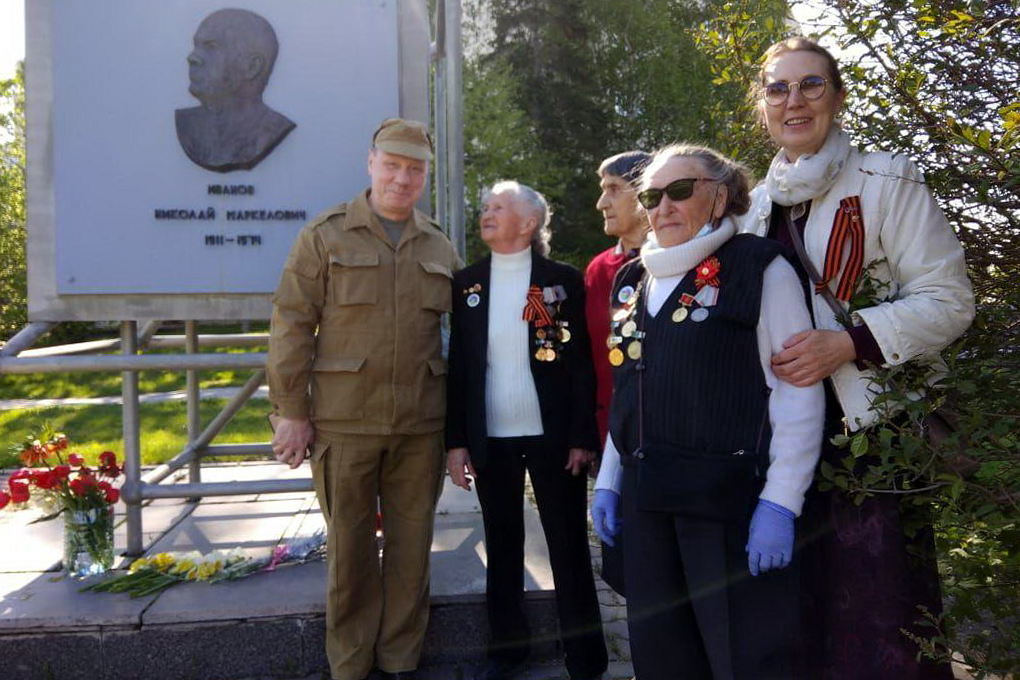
5	498
19	491
82	485
112	496
75	459
62	471
45	479
20	476
107	458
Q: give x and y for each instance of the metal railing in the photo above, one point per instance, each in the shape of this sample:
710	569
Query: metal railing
139	487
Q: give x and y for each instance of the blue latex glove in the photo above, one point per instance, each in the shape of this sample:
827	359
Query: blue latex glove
605	506
769	539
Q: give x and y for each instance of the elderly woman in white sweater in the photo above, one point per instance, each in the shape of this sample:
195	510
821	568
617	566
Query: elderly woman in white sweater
709	454
521	396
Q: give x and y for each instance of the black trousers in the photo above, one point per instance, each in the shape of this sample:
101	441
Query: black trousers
562	507
694	611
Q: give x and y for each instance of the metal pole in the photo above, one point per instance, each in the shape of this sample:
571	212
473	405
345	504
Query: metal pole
227	488
116	362
455	126
24	338
194	399
132	441
439	93
148	330
193	449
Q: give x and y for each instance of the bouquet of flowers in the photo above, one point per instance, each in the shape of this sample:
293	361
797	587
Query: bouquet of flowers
148	575
60	481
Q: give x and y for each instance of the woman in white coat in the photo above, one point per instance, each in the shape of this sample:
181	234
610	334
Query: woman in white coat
854	211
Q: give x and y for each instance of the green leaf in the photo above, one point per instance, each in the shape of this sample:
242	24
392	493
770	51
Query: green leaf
859	445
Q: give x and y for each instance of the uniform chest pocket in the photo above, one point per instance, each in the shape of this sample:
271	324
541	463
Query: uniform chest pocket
354	278
435	287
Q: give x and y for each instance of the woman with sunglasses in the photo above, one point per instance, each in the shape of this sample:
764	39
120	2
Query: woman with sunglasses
709	455
850	212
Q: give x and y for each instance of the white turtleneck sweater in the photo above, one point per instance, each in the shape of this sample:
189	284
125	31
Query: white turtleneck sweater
796	413
511	400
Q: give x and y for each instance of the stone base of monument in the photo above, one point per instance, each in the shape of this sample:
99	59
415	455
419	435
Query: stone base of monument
266	625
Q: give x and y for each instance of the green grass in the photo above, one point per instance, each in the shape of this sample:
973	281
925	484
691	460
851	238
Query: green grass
93	429
105	384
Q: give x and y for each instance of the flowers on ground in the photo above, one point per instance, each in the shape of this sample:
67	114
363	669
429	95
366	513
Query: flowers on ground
148	575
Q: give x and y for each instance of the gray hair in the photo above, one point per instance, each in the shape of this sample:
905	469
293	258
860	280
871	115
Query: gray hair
731	174
529	203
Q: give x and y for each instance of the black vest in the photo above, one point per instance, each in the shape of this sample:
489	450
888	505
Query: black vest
701	382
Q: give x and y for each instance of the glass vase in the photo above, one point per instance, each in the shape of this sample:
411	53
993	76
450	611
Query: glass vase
88	542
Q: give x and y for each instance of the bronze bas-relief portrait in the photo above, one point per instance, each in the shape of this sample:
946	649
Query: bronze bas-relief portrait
229	67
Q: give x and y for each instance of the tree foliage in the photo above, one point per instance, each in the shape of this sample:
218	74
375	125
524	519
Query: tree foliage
13	296
937	81
552	87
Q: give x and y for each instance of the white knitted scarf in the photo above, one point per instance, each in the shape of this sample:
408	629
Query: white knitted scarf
680	259
812	174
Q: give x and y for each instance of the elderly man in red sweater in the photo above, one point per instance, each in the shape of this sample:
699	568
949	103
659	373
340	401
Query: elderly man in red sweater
625	220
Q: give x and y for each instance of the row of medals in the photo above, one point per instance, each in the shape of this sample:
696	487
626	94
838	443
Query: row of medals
623	326
547	337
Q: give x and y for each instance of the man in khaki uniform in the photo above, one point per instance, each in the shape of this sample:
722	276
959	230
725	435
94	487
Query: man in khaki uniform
356	318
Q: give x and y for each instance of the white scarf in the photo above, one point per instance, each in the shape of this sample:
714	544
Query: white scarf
680	259
812	174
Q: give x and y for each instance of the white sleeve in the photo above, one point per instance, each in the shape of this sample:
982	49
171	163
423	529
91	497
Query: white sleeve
609	470
795	413
934	302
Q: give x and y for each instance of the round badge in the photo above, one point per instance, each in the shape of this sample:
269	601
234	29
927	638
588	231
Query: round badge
634	350
624	293
540	334
473	300
699	314
565	335
550	354
540	353
628	329
616	356
680	314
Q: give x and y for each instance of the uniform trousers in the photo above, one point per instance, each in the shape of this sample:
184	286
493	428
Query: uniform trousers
694	612
377	610
562	507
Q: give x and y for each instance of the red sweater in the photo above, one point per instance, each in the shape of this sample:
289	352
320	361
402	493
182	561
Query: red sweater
598	285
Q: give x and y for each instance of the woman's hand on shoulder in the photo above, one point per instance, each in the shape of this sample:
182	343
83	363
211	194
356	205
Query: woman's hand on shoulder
811	356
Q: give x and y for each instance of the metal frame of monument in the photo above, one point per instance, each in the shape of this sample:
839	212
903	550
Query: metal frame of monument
47	308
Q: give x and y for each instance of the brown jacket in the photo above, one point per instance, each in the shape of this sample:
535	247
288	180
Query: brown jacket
358	320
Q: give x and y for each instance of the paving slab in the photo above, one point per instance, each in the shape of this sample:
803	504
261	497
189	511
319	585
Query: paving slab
35	601
291	590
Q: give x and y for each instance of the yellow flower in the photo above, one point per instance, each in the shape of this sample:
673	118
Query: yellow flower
162	562
138	564
205	570
183	567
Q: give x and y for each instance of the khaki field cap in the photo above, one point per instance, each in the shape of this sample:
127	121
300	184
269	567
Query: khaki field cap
404	138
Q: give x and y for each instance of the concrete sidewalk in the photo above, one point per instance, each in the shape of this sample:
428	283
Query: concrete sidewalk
267	625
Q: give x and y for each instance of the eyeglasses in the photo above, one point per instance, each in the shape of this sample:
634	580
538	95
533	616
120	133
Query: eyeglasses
811	87
677	190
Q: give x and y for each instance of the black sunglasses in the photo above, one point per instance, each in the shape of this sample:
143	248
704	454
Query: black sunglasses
811	87
677	190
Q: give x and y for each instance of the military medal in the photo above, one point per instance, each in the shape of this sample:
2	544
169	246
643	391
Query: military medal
628	329
616	356
613	340
624	294
621	314
564	335
686	300
473	300
699	314
634	350
679	314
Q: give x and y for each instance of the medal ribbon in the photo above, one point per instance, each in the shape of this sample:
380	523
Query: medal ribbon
534	309
848	225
